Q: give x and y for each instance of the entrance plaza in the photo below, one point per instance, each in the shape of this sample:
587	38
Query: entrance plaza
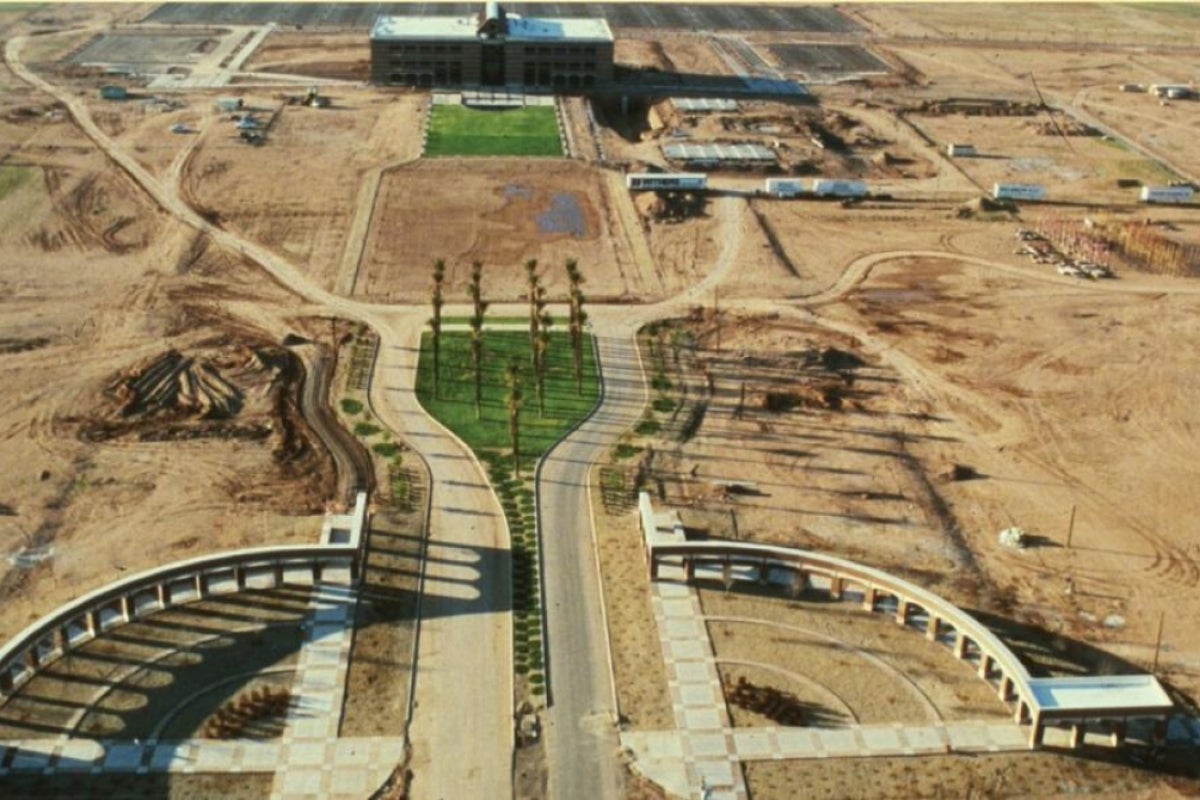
704	749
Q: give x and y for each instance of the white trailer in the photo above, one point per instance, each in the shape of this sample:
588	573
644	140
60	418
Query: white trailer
1166	194
1018	191
960	150
826	187
783	187
670	181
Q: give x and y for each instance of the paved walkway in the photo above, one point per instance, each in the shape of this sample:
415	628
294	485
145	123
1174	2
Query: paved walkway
700	756
310	736
704	750
356	766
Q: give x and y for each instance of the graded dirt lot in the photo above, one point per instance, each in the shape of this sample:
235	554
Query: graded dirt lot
297	193
499	212
345	56
97	286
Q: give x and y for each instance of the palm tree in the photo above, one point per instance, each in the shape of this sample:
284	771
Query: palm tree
533	283
541	345
514	414
435	322
479	307
577	319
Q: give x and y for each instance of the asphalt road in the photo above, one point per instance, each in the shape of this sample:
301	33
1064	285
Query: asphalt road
581	732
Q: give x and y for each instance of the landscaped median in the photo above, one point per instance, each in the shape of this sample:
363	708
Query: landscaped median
488	436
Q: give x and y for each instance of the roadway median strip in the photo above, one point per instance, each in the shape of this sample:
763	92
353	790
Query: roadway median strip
488	437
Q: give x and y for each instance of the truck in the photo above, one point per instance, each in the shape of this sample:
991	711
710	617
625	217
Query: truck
826	187
674	181
1166	194
1018	191
783	187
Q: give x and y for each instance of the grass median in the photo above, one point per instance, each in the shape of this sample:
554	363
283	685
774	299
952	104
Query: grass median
488	437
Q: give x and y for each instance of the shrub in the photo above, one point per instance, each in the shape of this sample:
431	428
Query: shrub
351	406
386	449
365	429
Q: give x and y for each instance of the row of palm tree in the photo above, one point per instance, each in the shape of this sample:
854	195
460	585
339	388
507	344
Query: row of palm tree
540	322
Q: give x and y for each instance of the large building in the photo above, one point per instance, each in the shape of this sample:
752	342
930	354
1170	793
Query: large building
493	48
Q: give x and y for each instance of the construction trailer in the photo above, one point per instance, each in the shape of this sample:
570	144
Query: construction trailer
666	181
827	187
953	150
1018	191
783	187
114	93
1166	194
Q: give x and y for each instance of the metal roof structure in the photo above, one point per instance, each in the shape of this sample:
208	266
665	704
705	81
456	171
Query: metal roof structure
1100	695
704	104
715	153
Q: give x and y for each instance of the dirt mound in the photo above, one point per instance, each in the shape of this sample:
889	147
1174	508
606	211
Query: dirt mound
176	384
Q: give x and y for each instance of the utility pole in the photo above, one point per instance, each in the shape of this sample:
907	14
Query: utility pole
1071	527
1158	643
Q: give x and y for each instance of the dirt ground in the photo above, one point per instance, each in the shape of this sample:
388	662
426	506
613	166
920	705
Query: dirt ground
345	56
498	214
115	287
298	192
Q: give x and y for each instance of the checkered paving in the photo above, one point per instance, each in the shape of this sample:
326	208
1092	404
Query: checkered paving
704	759
309	745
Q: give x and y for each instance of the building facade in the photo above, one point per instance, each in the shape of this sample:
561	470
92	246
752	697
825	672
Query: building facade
493	48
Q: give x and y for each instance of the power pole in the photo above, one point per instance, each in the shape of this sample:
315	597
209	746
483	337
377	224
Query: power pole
1158	643
1071	527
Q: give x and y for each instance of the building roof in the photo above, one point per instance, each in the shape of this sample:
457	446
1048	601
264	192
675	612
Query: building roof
519	29
1100	695
718	152
704	104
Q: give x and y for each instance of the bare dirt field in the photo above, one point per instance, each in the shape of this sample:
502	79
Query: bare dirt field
97	286
345	56
297	193
500	212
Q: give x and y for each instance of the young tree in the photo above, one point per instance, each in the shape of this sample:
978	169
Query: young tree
478	309
514	413
534	293
435	322
577	319
541	345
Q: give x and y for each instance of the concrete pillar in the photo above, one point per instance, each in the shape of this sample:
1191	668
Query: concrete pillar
901	611
985	665
63	634
653	567
33	659
764	572
92	622
1118	733
1078	731
868	598
1005	690
163	597
689	569
126	607
931	627
201	586
836	585
1021	715
960	645
1036	732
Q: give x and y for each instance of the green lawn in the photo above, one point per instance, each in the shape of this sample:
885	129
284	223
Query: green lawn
488	436
11	178
462	131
